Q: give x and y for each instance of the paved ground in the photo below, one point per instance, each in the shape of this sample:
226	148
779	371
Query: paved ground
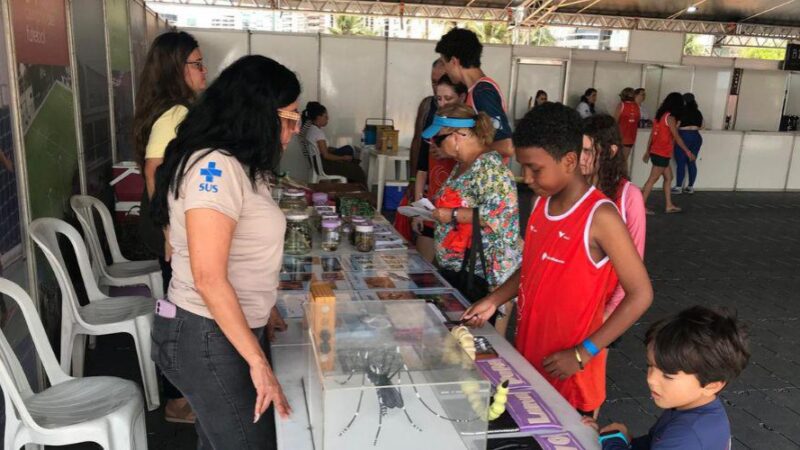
735	250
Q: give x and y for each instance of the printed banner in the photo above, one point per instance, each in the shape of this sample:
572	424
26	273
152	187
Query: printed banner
531	412
498	370
559	441
40	27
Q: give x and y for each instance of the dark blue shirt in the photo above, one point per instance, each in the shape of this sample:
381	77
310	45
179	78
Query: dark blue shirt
703	428
487	99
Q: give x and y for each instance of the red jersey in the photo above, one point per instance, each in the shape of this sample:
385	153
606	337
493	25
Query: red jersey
438	172
562	295
629	116
662	141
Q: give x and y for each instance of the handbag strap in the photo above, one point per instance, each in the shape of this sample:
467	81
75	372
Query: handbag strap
470	254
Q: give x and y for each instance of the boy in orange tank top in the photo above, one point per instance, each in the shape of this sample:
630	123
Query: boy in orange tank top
576	248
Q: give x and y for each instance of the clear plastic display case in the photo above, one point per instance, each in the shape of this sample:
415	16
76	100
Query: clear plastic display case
389	375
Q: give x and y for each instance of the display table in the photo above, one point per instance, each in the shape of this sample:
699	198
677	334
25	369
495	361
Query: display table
376	166
290	350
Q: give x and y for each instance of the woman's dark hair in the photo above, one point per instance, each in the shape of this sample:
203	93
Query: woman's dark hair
585	98
612	167
672	104
539	93
689	102
312	111
162	85
458	88
237	115
709	344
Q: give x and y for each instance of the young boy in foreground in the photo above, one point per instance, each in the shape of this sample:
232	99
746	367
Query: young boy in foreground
576	248
691	357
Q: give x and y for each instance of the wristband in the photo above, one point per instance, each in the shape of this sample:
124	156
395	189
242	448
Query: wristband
590	347
454	216
618	434
578	357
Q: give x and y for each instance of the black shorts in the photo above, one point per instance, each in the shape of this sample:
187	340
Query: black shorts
659	161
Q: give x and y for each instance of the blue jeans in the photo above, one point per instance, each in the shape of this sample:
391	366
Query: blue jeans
194	354
694	140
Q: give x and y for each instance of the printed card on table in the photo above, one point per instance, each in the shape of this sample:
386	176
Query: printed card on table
448	301
498	370
530	412
559	441
385	279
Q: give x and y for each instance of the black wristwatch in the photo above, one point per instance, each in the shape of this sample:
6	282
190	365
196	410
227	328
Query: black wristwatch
454	216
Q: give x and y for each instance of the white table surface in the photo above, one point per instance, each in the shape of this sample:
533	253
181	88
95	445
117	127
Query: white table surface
290	363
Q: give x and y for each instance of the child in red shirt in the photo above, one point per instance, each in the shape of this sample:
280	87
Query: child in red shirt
576	248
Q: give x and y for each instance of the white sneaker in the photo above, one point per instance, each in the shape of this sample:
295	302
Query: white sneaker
688	190
677	191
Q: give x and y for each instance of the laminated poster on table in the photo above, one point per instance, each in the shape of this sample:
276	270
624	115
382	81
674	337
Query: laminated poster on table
559	441
497	370
530	412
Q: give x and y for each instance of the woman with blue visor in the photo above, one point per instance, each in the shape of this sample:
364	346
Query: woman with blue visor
479	184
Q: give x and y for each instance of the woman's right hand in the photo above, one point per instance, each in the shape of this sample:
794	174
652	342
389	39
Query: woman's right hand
479	313
646	157
268	390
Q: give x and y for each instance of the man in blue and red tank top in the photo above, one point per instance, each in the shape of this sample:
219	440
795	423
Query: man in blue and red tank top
461	53
576	248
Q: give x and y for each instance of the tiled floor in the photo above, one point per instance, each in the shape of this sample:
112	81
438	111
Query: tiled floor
739	251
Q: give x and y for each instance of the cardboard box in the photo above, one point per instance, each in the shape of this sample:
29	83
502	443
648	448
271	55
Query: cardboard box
387	139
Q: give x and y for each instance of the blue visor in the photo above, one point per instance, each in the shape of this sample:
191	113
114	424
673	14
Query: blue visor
440	122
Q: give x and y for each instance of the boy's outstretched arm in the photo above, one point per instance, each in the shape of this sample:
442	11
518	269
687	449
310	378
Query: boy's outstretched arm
609	234
480	312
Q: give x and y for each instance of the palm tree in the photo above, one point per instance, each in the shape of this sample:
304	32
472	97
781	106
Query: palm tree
541	37
491	32
350	25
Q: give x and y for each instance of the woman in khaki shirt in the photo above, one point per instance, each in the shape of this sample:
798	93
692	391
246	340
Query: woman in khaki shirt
172	77
226	234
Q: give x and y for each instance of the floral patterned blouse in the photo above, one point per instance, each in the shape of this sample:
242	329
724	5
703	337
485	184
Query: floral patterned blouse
488	185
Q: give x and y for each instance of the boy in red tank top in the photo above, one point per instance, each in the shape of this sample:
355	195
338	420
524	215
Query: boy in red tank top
576	248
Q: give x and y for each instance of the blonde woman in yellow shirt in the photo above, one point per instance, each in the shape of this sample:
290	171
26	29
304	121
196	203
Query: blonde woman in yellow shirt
172	77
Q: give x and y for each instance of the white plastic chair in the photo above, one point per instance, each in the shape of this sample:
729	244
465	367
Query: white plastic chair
105	410
314	160
121	271
103	315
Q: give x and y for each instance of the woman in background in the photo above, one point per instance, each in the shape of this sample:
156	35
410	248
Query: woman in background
172	77
663	139
627	116
689	129
586	106
335	161
540	99
433	167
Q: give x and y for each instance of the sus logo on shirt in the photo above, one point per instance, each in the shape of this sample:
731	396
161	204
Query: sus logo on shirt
210	173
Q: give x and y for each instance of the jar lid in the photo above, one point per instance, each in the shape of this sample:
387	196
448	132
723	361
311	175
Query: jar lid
319	197
364	228
330	224
358	219
296	215
294	193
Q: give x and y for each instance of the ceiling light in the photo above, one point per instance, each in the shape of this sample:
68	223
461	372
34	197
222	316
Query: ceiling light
691	9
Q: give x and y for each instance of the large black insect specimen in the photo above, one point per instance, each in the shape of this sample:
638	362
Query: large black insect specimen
380	367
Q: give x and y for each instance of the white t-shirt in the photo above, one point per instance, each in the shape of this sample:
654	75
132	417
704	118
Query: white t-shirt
312	134
584	110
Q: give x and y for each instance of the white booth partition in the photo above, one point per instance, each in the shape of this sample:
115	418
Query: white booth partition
352	84
764	161
793	178
496	63
760	100
710	87
408	81
610	78
300	53
579	78
533	75
220	48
